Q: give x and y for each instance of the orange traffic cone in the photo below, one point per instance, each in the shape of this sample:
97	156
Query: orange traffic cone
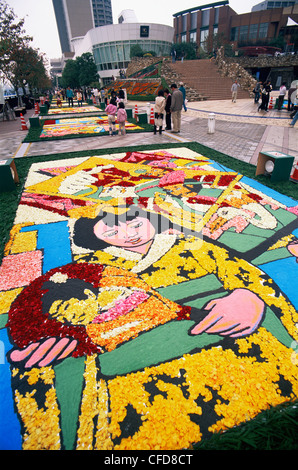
294	176
136	111
270	103
35	109
24	125
152	116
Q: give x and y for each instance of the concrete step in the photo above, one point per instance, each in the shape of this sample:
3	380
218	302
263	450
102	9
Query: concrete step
204	77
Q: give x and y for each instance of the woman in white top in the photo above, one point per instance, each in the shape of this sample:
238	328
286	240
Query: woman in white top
159	109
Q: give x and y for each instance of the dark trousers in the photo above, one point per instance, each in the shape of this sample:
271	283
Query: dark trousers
280	101
157	116
168	122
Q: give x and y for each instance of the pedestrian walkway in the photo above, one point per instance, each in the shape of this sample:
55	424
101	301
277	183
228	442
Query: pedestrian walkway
240	132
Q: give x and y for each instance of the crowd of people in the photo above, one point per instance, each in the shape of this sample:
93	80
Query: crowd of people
263	90
169	103
71	95
168	107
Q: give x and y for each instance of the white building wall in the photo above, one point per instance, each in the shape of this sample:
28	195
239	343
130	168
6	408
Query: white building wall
121	33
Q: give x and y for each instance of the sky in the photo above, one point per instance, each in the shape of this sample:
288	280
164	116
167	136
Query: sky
40	22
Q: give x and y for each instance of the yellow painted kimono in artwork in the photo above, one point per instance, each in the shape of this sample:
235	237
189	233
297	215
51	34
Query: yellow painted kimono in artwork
169	400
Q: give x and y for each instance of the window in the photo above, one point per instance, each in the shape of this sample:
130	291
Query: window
243	33
203	37
234	34
184	23
216	15
253	31
263	31
183	37
193	36
193	20
116	55
205	18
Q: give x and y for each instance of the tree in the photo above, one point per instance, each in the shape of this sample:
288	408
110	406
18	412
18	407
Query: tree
70	74
87	69
80	72
187	49
20	64
27	67
12	37
136	51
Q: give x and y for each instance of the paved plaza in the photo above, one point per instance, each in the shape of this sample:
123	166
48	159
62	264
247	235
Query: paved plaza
240	132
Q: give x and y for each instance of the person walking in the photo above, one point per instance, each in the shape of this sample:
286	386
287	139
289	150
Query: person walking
121	94
69	96
96	95
182	89
159	109
121	118
282	94
234	91
290	104
257	91
294	114
176	107
265	96
168	98
268	89
102	95
111	111
80	98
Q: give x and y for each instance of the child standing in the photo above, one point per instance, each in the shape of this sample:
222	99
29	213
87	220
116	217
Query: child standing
80	98
121	118
111	111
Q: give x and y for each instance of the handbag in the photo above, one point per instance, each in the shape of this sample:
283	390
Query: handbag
158	121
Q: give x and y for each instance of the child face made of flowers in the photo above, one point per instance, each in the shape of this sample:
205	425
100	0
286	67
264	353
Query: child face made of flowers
134	235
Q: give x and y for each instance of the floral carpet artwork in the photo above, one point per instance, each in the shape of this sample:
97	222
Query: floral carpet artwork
73	110
148	299
138	87
87	125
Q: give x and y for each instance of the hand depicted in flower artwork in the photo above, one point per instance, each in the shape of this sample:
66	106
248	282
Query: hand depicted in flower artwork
43	353
293	248
235	315
81	180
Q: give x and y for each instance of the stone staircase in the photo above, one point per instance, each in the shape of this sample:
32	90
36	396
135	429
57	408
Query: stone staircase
202	76
170	75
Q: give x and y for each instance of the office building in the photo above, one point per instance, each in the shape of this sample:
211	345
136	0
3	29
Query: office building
76	17
201	24
267	5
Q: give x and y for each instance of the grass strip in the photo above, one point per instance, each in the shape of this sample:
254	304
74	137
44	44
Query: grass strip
33	134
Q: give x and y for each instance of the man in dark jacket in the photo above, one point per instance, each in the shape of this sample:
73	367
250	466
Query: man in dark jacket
168	98
176	107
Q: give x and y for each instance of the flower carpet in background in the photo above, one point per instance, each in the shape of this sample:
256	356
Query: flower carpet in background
148	72
84	125
148	300
137	87
73	110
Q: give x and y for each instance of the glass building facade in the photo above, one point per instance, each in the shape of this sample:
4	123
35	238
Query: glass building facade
111	44
116	55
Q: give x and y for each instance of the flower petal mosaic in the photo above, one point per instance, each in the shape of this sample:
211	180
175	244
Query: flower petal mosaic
78	126
148	300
